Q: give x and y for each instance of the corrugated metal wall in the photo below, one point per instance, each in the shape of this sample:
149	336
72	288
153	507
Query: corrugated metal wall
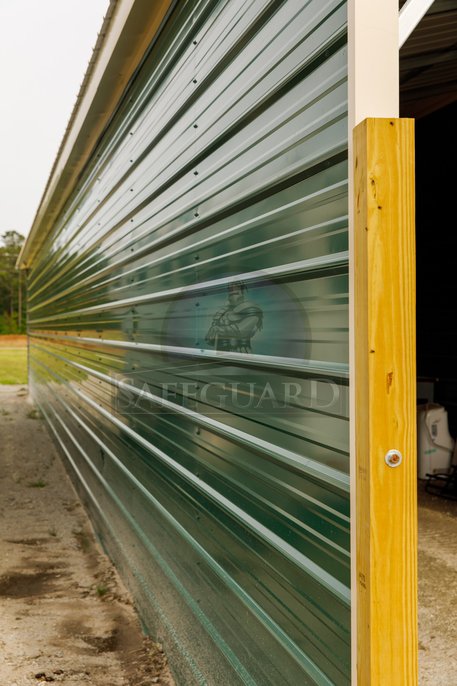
189	341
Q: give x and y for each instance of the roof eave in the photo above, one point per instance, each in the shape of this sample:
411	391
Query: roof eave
128	29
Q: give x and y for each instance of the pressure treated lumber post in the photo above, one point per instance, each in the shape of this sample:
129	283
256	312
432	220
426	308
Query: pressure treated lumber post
385	412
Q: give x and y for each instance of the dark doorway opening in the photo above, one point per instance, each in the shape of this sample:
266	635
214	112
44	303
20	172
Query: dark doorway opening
436	233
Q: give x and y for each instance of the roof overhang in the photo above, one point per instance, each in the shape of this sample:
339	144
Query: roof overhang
128	29
428	62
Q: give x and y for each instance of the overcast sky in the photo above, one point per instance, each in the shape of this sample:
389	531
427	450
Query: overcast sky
45	47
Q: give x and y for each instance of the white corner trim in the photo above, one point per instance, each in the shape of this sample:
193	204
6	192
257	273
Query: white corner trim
410	15
373	60
373	91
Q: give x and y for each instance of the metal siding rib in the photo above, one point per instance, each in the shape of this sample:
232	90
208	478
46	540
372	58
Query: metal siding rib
230	522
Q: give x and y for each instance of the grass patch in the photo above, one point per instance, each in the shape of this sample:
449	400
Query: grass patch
34	414
37	484
102	590
13	365
82	539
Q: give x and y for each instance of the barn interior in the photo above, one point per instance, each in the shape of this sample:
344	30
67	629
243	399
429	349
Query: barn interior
428	92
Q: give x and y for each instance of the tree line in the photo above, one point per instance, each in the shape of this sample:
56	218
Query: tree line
12	285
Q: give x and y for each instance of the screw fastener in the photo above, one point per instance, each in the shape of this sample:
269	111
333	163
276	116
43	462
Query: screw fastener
393	458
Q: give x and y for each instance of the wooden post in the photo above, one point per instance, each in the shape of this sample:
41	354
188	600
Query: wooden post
385	402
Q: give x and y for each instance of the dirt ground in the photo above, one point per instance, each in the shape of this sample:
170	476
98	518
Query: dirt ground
13	341
437	590
65	616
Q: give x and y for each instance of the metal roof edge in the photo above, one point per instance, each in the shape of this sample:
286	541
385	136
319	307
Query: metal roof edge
127	30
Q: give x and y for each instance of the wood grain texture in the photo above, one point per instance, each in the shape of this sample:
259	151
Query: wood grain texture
385	414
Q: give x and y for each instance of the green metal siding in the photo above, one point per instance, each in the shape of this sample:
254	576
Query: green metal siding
215	461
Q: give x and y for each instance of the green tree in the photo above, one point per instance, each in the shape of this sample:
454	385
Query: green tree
11	284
